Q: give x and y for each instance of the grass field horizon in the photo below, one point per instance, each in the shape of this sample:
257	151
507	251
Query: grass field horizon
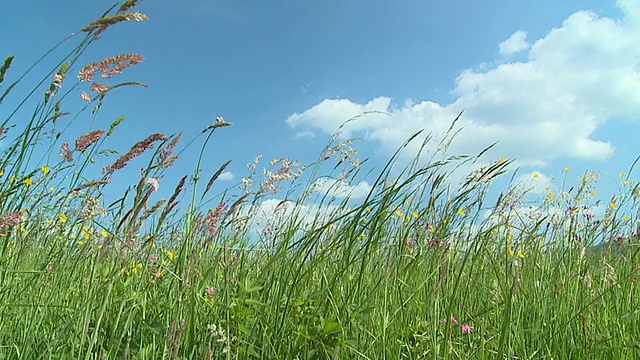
422	267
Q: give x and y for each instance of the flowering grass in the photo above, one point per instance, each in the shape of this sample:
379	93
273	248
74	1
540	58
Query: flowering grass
418	269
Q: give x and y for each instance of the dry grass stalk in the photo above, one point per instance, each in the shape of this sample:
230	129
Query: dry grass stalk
90	184
236	204
172	201
214	177
153	209
166	158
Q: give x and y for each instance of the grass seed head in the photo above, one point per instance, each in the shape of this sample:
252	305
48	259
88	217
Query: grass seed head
83	142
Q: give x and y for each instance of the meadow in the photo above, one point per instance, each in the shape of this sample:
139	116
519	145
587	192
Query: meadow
420	268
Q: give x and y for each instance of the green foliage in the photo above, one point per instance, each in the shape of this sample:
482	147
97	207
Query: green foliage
419	269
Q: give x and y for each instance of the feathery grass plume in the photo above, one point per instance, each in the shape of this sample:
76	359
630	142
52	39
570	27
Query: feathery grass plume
8	220
214	177
136	150
288	170
86	140
109	67
213	217
166	158
128	4
90	184
103	23
99	88
66	153
114	124
343	151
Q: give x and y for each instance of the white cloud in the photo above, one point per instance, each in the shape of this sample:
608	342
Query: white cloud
275	212
304	134
514	44
340	189
573	80
535	182
226	176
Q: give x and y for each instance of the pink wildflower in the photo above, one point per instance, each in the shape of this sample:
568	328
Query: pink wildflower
153	182
210	291
466	329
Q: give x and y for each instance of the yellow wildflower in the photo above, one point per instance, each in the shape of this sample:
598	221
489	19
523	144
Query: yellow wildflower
567	169
501	160
521	254
623	175
28	181
461	212
613	205
399	213
45	169
625	218
415	214
104	233
510	251
535	175
63	218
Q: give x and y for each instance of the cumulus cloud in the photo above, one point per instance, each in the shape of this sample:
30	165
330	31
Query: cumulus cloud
273	212
514	44
226	176
340	189
573	80
535	182
305	134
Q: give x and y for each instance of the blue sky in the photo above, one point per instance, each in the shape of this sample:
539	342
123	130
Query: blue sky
556	83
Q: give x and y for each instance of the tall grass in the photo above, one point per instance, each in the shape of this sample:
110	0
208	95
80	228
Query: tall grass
423	267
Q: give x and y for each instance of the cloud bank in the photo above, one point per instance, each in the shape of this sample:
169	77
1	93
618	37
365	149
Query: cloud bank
548	106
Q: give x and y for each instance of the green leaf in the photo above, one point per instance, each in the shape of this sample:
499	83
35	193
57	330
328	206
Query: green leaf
254	302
